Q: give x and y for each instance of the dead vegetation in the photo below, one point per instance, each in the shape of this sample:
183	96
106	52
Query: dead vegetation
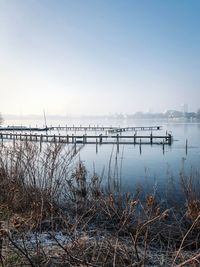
85	223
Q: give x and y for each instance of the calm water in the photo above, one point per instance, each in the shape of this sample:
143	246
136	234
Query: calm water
152	166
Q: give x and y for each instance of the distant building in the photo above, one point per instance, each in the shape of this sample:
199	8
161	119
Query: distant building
184	109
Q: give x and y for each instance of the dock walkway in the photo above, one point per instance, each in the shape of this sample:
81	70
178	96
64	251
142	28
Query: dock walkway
90	139
109	129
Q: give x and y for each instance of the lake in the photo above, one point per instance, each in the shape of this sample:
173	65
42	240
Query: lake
149	167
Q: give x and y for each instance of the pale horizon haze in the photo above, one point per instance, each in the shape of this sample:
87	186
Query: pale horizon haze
97	57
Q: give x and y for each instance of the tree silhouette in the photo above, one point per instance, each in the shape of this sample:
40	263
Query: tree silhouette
198	113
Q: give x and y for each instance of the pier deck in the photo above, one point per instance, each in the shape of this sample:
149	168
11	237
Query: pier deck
110	129
90	139
135	129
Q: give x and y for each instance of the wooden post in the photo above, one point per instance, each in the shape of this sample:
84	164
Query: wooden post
186	147
169	139
100	138
117	143
14	141
67	138
2	139
134	138
96	146
140	146
75	146
151	138
41	142
72	138
163	146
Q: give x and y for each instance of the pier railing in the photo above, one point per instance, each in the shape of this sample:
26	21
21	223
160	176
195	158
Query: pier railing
109	129
90	139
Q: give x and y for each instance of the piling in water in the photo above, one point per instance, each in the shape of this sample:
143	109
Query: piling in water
186	147
163	146
96	146
41	142
75	146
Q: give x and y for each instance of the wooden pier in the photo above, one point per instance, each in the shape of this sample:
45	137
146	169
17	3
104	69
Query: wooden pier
23	129
135	129
90	139
109	129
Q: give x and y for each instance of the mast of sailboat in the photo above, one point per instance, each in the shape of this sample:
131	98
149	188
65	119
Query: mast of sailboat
45	120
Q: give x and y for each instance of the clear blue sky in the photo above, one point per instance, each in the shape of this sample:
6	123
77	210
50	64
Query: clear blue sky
99	56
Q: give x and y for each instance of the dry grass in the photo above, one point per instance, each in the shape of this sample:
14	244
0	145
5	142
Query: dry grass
43	192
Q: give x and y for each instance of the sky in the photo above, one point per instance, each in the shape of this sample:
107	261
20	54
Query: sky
92	57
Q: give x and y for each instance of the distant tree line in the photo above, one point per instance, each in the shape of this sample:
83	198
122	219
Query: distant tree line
198	114
166	115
